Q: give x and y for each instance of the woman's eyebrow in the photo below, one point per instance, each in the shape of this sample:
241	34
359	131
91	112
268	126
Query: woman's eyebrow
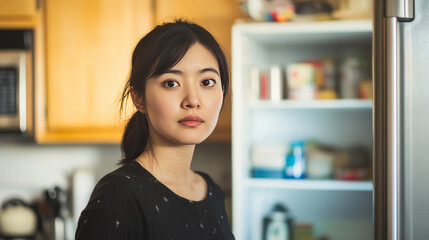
209	70
173	71
178	72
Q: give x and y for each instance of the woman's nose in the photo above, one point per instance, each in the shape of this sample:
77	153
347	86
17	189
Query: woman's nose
191	99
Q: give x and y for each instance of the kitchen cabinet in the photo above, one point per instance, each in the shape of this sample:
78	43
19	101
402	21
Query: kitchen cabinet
26	14
88	47
336	209
18	8
217	17
15	14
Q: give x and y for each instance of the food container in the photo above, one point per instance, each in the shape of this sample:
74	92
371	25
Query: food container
352	72
296	161
269	10
301	81
351	174
320	163
365	89
268	160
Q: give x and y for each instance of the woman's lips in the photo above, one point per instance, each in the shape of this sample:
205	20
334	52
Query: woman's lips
191	121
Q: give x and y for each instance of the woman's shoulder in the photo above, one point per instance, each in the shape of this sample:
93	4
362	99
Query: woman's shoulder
118	192
112	211
121	180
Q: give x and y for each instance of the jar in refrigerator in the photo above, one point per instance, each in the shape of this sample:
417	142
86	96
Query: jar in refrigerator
296	161
351	74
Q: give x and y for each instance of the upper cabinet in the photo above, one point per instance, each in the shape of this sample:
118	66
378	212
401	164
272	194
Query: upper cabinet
19	14
88	48
17	8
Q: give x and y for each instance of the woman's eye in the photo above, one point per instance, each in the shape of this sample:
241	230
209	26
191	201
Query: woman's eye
208	82
170	84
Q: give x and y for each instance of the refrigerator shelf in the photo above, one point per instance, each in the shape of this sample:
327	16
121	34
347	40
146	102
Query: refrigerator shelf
343	104
292	33
307	184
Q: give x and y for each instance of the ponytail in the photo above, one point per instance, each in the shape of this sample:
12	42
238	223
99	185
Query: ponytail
136	137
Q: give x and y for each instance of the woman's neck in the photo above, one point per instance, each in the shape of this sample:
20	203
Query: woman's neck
169	163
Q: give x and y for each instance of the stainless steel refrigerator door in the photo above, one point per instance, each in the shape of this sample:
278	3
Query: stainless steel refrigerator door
414	55
401	119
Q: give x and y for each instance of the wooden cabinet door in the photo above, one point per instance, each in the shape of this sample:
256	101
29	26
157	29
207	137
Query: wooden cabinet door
217	17
17	8
88	57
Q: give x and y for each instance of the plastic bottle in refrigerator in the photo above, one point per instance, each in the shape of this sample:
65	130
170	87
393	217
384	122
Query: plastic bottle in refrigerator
296	161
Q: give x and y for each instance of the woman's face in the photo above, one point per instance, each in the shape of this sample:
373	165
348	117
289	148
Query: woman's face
183	104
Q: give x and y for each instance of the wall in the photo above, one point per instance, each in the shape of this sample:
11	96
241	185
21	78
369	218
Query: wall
26	169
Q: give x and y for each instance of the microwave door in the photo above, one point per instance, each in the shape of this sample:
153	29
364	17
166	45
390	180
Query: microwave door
13	91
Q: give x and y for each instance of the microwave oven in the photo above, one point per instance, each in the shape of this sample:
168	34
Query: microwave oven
16	81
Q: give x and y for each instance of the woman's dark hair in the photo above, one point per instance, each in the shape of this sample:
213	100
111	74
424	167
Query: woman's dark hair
158	51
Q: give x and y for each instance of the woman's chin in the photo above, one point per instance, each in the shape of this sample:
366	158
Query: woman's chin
192	139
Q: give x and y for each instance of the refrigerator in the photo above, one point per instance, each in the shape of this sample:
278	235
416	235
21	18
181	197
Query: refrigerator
401	119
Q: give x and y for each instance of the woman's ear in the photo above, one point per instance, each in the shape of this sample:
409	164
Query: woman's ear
138	101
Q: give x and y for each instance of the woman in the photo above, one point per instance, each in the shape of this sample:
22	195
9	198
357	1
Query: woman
179	78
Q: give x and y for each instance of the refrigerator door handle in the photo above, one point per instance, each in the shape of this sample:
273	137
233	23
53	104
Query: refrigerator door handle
388	109
401	9
393	129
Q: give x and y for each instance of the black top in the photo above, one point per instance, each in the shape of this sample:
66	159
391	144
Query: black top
130	203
